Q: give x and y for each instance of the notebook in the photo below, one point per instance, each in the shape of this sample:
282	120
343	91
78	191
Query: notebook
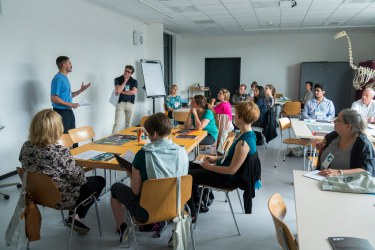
123	163
183	136
349	243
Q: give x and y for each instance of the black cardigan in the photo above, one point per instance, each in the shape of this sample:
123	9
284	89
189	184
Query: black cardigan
361	156
248	174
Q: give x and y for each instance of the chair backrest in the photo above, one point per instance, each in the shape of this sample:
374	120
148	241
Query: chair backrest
284	123
42	188
180	116
143	120
81	134
65	140
159	198
228	142
292	108
277	208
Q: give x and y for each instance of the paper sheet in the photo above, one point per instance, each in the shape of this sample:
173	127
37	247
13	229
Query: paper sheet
129	156
314	175
114	98
84	102
88	154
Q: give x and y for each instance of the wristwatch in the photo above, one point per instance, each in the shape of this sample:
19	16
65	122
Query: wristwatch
341	172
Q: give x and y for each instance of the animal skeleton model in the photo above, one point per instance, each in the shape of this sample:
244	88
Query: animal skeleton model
362	74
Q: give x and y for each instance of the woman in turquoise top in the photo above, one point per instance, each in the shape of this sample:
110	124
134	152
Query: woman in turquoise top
218	172
201	118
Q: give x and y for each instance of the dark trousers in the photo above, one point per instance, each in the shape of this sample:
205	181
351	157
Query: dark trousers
205	177
68	119
94	184
125	195
208	140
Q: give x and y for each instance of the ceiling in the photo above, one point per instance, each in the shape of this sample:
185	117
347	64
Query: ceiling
246	17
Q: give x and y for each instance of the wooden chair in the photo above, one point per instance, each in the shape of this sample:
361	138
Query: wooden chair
143	120
277	208
291	109
180	116
65	140
44	192
82	134
284	123
159	199
278	95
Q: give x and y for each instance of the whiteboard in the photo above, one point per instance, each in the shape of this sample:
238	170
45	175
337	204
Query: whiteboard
153	78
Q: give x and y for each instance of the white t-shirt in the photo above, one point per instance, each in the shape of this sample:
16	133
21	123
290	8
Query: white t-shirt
366	111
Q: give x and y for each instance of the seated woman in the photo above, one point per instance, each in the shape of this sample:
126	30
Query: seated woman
270	94
214	172
260	100
42	154
161	158
173	101
201	118
347	149
223	107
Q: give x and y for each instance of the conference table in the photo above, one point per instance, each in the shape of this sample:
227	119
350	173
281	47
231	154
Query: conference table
323	214
301	128
132	145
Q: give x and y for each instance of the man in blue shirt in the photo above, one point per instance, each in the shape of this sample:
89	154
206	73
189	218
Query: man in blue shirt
319	107
61	94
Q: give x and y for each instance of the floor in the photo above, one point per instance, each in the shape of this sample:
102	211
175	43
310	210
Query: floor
215	229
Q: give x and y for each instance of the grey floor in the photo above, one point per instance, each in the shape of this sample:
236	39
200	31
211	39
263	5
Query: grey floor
215	230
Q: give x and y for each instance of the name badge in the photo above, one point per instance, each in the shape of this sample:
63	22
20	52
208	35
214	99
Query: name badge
328	160
318	112
127	87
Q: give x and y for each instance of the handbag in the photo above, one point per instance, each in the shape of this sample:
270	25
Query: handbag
33	219
181	224
360	182
12	234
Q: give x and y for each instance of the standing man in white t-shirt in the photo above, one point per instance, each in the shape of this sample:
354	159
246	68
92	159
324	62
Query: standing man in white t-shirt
366	105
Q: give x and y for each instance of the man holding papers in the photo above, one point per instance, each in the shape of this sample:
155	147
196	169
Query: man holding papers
61	94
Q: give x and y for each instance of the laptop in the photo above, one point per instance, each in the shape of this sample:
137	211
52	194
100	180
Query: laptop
123	163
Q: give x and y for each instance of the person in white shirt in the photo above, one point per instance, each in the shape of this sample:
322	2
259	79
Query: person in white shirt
366	105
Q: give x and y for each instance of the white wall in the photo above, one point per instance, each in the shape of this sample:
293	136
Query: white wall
99	43
268	59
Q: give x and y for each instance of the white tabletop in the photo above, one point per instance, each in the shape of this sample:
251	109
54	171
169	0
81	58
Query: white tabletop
323	214
301	130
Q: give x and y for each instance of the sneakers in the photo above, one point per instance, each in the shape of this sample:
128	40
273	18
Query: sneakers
78	226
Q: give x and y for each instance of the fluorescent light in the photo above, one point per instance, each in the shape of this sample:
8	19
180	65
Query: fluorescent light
155	8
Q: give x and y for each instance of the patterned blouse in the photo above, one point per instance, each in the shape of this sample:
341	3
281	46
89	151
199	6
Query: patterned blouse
57	162
173	102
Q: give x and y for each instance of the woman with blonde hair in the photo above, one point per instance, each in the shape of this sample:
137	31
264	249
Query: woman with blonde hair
222	174
223	107
42	154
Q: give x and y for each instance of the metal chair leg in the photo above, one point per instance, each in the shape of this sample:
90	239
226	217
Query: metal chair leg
199	207
231	209
239	198
97	215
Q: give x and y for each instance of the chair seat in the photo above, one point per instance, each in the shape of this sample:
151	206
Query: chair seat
297	141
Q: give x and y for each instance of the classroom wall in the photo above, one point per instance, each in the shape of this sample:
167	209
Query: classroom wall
268	59
99	43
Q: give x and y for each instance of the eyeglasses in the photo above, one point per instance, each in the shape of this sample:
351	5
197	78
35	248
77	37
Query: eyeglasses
337	120
128	71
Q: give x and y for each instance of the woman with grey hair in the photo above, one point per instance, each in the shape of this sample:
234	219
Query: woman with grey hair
347	149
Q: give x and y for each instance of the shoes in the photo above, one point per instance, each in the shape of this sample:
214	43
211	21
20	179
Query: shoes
121	230
78	226
203	208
